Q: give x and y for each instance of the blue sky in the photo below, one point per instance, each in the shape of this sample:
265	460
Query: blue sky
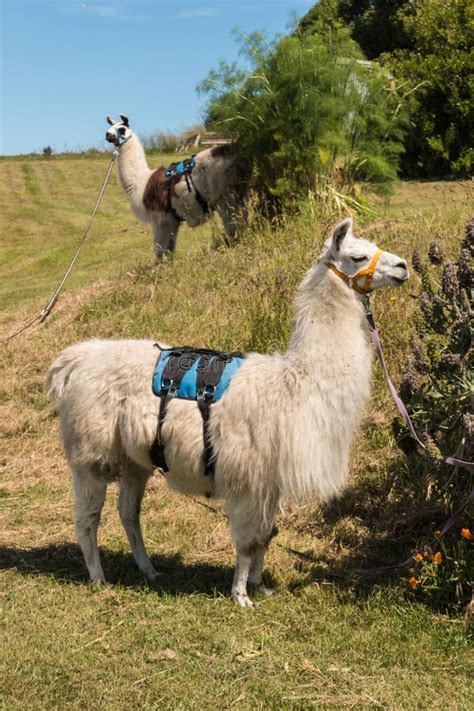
67	63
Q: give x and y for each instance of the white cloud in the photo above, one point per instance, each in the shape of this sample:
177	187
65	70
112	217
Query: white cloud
198	12
113	12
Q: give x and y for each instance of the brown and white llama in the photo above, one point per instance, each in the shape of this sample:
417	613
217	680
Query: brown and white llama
218	183
282	429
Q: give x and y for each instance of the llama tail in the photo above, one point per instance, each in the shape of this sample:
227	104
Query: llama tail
60	371
56	380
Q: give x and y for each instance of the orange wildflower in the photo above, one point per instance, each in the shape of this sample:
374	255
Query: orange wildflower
438	557
413	582
418	556
465	533
437	533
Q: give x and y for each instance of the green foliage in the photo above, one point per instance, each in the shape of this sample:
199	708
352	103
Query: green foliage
375	24
438	386
440	60
308	107
428	45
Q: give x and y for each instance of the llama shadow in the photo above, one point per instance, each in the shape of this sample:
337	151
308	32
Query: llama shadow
65	563
377	530
386	530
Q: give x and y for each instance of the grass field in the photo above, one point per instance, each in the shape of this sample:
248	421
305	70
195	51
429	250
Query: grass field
326	639
45	206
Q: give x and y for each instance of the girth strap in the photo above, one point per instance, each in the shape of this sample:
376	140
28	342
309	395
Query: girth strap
209	373
201	200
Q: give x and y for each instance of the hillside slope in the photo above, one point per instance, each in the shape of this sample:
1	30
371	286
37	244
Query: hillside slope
324	640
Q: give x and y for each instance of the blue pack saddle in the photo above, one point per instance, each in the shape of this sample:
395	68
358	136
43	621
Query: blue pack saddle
195	374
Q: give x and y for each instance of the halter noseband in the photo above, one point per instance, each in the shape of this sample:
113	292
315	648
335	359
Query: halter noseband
121	140
368	273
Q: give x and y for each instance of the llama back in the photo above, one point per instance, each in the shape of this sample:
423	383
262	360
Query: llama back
92	383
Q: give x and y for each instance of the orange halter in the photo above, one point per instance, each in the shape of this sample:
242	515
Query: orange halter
368	273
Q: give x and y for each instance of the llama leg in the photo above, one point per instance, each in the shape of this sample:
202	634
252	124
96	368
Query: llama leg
89	494
242	568
256	567
132	487
165	232
252	533
231	211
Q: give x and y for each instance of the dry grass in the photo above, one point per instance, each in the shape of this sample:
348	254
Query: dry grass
325	640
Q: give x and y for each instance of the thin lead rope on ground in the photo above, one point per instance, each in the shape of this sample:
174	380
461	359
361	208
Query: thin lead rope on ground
46	310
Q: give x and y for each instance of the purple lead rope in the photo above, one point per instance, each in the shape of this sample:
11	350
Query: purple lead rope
399	402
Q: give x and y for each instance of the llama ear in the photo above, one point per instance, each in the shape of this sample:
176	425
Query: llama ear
341	230
110	120
124	118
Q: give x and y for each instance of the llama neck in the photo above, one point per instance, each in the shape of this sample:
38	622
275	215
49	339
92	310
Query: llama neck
327	378
329	318
132	165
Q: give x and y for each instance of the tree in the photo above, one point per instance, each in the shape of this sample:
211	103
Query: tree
429	44
441	63
374	24
308	106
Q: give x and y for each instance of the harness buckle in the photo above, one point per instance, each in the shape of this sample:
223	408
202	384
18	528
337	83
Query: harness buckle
206	393
166	384
209	391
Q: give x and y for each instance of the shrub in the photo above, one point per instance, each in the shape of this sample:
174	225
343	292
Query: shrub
308	108
428	45
437	386
162	141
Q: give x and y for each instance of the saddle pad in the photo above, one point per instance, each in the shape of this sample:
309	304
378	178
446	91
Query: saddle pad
187	387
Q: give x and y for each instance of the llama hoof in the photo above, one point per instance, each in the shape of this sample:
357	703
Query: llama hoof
243	600
153	575
262	589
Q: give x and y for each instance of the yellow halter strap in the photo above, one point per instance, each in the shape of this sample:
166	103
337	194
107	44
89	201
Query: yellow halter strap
368	273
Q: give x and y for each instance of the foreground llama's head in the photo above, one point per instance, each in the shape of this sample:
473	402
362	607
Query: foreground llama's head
361	264
119	131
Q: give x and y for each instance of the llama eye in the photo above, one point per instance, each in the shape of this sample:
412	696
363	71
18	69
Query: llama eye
122	130
358	259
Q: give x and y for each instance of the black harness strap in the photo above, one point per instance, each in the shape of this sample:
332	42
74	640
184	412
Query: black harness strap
174	371
201	200
185	170
171	209
209	373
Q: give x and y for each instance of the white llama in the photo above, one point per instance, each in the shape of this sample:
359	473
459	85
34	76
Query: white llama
282	429
218	182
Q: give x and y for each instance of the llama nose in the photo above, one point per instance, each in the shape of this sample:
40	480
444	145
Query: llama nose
402	264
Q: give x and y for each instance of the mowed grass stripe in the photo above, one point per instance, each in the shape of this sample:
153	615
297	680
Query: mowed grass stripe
41	233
